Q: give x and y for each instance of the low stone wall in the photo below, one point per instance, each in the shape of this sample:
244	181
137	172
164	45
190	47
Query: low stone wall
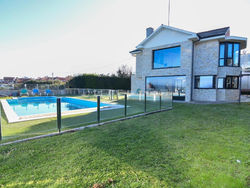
8	92
63	92
13	92
245	98
204	95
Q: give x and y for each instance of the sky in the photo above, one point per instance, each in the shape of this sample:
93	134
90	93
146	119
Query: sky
70	37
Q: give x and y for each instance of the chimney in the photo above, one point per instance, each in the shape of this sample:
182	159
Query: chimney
149	31
228	32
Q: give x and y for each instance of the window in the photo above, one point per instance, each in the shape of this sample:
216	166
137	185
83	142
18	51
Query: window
229	54
204	82
232	82
168	57
220	84
222	52
176	84
236	54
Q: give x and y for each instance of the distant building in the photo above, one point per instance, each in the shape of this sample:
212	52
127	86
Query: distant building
44	79
63	79
22	80
47	78
68	78
9	80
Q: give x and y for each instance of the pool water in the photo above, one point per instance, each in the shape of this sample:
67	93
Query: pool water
44	105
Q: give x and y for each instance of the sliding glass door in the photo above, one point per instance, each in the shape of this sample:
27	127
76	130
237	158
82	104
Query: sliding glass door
175	84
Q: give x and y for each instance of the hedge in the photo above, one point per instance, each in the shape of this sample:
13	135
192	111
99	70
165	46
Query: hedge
93	81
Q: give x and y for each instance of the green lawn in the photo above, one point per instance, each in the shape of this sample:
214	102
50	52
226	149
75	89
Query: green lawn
189	146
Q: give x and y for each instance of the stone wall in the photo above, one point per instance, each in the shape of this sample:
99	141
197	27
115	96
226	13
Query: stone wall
245	98
144	67
137	83
206	60
232	95
200	94
206	57
205	63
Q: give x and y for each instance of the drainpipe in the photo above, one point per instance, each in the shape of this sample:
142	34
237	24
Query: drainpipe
240	86
192	69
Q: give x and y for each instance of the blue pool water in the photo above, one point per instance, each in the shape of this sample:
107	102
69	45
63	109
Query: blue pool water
43	105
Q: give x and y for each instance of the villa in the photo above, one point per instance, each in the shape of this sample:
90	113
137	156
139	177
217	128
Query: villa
201	66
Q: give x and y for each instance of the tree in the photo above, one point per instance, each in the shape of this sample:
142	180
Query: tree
124	71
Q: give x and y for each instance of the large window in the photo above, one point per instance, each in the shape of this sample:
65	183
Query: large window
176	84
168	57
229	54
230	82
204	82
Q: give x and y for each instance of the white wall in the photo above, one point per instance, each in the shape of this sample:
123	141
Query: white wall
165	37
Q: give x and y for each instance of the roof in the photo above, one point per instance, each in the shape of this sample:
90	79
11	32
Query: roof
135	51
9	78
213	33
222	34
192	35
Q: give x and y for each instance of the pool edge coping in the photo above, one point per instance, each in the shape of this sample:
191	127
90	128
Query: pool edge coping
11	115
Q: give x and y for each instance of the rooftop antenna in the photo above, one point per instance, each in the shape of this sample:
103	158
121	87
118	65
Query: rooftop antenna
168	12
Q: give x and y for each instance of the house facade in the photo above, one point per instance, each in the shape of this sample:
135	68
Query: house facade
201	66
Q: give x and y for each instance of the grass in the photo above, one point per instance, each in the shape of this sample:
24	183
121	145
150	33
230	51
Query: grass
189	146
15	131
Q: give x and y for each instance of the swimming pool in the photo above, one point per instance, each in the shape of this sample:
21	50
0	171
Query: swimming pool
27	108
43	105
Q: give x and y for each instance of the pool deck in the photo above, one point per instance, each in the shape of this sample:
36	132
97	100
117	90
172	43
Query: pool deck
9	112
12	117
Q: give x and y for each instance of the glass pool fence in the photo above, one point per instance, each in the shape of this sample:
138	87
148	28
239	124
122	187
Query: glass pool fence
107	105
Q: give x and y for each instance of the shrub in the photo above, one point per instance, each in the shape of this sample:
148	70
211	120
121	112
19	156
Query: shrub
94	81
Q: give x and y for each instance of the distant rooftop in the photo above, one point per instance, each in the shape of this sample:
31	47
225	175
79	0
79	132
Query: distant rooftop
213	33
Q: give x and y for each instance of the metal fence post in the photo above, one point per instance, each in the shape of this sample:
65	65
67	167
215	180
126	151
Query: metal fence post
172	100
59	115
125	105
239	81
0	124
160	101
111	95
98	109
145	102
